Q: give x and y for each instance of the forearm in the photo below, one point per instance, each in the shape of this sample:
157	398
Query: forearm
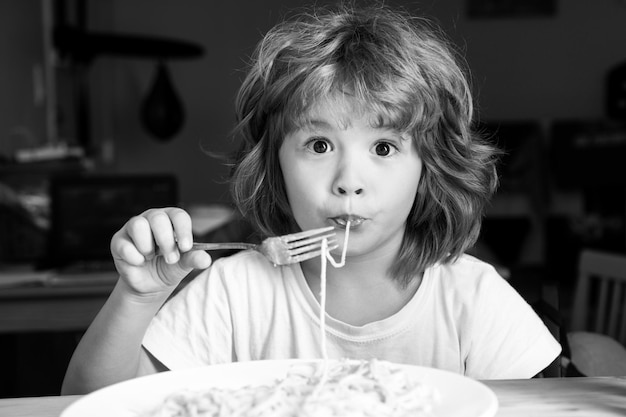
110	349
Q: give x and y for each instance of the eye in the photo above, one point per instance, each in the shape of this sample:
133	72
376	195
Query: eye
318	145
385	149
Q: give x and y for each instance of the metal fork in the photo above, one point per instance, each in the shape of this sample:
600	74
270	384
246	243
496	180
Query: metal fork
286	249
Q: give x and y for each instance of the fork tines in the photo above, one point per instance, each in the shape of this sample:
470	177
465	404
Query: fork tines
308	244
308	234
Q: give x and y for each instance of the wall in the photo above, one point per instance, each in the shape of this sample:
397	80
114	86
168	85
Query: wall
524	68
22	111
543	68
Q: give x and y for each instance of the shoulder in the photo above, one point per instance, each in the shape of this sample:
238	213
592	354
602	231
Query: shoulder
469	265
466	273
471	285
243	262
475	288
244	271
230	284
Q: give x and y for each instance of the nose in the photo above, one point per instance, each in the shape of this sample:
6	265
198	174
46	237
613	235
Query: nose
346	190
348	180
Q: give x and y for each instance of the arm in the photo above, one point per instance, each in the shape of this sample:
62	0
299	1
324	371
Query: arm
110	351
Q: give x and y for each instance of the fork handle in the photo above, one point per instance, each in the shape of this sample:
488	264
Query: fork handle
226	245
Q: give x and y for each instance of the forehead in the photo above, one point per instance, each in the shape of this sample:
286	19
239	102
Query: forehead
340	111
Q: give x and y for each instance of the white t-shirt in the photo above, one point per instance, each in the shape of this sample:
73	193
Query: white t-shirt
463	318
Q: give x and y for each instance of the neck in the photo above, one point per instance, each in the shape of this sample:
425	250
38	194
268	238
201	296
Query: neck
360	282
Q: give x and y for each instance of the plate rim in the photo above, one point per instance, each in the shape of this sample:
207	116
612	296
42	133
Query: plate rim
78	407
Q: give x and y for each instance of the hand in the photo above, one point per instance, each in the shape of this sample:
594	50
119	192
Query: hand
134	249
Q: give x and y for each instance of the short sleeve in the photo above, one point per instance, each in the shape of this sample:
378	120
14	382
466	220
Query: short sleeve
508	339
193	328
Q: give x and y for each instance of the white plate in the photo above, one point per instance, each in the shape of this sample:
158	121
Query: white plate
459	395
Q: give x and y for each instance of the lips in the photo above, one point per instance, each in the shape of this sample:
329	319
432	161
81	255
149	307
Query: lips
343	220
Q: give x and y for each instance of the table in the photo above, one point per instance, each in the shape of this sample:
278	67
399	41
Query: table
547	397
41	322
57	303
560	397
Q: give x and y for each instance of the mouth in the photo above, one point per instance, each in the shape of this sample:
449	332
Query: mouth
342	220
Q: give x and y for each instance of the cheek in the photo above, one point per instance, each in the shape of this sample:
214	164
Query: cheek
301	179
302	201
297	183
302	188
405	190
293	189
286	169
404	195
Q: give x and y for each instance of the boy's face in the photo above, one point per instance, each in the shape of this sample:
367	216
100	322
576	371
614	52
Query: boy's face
339	167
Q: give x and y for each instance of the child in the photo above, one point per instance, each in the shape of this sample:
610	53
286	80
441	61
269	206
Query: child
347	115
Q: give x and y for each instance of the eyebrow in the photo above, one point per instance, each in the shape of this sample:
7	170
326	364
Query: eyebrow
325	125
320	123
316	123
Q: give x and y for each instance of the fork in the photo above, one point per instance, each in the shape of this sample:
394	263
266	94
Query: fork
285	249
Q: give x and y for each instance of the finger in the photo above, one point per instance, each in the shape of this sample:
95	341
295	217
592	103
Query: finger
181	222
197	259
140	234
163	234
124	249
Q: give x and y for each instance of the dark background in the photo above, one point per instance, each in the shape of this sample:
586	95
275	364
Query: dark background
540	72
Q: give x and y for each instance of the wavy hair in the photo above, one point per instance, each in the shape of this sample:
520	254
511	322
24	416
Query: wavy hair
403	71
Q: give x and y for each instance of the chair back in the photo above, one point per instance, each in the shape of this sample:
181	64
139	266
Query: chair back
548	309
600	296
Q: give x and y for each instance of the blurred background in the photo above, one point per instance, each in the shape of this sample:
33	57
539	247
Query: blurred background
107	108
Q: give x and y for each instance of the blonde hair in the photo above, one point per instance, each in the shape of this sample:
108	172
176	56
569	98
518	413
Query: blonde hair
402	70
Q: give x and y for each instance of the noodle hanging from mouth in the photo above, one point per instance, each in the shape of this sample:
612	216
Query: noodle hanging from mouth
324	256
323	347
343	253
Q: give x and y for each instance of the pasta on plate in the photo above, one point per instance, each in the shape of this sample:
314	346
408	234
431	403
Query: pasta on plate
328	388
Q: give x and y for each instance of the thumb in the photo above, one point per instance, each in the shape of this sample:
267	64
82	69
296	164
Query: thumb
196	259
